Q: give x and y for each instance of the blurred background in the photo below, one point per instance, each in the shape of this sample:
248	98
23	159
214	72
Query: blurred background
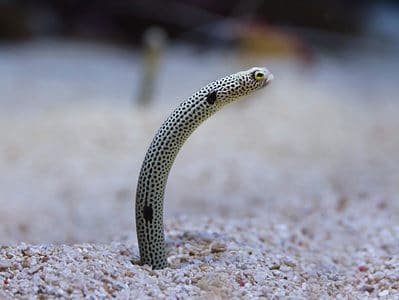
85	84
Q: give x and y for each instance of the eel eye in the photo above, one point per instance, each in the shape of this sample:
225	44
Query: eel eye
259	75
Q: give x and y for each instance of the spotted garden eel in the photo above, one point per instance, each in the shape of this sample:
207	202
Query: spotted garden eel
165	146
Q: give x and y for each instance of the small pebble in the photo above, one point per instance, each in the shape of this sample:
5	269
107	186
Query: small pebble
4	265
367	288
218	247
383	293
379	275
363	268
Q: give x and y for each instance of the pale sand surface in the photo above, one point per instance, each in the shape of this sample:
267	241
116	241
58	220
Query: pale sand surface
292	193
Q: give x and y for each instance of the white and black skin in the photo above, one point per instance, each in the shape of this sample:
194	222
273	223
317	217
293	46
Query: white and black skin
165	146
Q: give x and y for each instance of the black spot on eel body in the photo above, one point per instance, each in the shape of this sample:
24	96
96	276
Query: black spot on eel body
211	98
148	213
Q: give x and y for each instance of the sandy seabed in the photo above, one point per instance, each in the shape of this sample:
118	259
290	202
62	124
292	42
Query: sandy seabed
291	193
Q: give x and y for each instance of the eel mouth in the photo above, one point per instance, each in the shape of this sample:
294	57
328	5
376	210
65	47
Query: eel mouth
268	79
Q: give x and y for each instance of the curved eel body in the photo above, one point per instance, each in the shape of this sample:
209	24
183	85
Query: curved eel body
165	146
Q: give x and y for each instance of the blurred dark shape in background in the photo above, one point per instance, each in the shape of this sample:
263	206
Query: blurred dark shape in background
199	21
154	44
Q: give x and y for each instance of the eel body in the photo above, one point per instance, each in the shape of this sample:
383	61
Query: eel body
165	146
